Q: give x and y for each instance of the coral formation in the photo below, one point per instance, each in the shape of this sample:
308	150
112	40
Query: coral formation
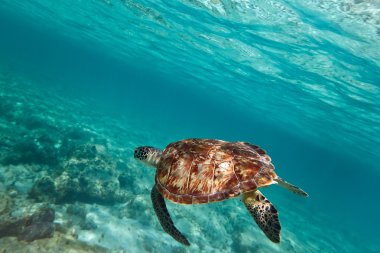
88	175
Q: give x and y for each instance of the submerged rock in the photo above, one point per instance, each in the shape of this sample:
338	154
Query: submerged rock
5	203
88	224
124	180
38	226
43	189
31	150
29	228
89	175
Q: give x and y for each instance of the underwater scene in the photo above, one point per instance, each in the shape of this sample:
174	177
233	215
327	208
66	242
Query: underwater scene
291	87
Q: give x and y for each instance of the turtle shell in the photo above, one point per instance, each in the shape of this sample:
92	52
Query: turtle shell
196	171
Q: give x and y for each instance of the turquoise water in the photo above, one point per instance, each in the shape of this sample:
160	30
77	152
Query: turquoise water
299	78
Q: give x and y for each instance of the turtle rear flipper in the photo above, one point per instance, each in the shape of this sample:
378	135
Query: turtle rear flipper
290	187
164	218
264	213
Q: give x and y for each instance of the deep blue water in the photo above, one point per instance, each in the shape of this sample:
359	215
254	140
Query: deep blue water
300	79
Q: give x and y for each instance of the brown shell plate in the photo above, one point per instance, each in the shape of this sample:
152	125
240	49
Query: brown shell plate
196	171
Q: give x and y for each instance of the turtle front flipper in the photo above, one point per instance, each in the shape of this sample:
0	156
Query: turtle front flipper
264	213
163	215
290	187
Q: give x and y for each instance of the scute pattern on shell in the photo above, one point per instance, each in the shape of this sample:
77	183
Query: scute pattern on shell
196	171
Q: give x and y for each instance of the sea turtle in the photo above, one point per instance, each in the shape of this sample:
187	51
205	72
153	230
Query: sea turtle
200	171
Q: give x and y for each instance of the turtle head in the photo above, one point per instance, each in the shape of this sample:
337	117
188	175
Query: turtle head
148	155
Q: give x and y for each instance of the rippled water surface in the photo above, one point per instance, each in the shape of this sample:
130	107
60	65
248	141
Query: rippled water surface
300	78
